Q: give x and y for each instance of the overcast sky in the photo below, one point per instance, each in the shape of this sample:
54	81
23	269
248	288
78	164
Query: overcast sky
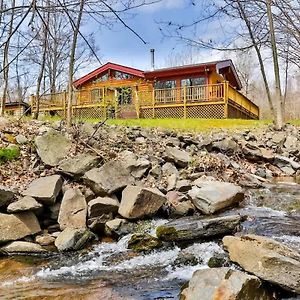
119	45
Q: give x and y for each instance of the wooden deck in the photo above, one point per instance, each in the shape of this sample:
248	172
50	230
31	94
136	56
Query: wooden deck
207	101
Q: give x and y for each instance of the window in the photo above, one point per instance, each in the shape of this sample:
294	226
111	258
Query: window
96	95
193	81
165	84
121	75
101	78
194	89
165	91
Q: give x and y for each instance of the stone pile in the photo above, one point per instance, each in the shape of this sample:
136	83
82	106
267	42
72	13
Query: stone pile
86	184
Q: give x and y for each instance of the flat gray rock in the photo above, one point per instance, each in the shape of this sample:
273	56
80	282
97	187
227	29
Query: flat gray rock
266	258
73	210
108	179
225	284
72	239
138	202
189	228
78	165
52	147
213	196
27	203
21	247
177	156
45	189
102	205
17	226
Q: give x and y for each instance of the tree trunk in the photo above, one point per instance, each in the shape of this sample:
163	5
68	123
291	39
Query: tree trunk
42	69
71	65
260	59
5	61
278	93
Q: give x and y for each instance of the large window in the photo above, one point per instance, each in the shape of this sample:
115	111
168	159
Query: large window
165	84
193	81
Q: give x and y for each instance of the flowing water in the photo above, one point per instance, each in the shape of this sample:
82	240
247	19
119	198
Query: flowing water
111	271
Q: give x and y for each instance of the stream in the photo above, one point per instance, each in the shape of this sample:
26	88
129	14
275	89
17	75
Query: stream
111	271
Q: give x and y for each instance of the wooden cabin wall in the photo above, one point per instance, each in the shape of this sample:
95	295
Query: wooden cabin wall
214	78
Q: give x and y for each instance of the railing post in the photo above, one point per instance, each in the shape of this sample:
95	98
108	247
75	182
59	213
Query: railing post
137	103
153	103
225	96
65	104
32	103
184	102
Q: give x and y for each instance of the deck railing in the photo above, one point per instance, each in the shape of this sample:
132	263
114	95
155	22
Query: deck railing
241	101
188	95
200	93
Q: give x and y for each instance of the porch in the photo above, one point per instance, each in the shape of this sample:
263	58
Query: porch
216	101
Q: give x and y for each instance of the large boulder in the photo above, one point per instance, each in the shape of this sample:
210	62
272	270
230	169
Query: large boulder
73	210
138	202
21	247
100	206
45	189
26	203
52	147
6	195
108	179
17	226
72	239
267	259
78	165
213	196
189	228
180	157
225	284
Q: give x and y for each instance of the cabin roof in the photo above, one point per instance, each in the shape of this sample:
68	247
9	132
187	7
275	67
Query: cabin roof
223	67
16	103
104	68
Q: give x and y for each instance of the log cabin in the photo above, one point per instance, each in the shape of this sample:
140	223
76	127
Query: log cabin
204	90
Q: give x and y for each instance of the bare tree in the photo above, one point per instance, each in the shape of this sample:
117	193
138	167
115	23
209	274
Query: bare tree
76	28
6	59
259	28
44	44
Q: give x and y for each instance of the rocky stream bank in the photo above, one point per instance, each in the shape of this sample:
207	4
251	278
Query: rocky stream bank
202	211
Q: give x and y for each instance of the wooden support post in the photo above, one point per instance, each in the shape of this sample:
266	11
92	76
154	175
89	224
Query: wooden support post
184	102
137	102
32	104
225	95
65	104
153	104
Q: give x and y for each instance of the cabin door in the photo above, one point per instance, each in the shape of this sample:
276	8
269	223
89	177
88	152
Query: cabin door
124	98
